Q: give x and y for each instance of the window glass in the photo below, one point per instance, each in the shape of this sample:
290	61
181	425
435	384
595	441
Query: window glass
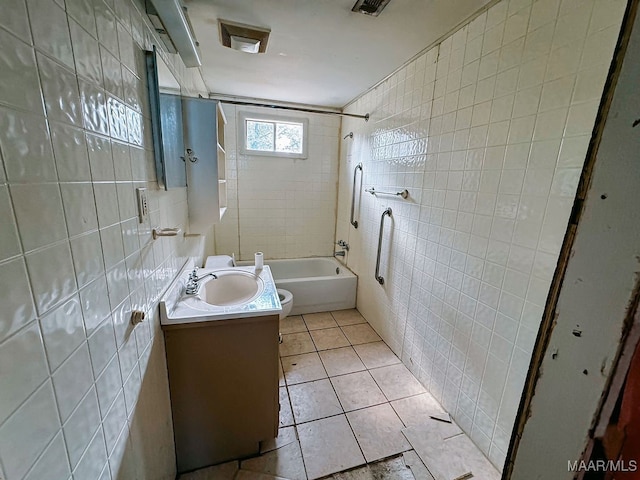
260	136
274	137
289	137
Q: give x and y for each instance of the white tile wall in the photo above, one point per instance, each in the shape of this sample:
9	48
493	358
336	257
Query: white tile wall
74	261
282	207
488	132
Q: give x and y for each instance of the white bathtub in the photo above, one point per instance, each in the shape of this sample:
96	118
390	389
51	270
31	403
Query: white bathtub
317	284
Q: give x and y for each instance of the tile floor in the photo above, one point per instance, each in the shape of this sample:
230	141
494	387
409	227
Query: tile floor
345	399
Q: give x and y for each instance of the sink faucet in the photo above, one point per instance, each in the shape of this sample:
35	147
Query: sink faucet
339	254
193	283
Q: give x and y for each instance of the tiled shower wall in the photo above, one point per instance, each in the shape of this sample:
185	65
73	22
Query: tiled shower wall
283	207
488	131
83	394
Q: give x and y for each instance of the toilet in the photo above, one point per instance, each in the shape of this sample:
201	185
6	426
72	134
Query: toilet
286	300
219	261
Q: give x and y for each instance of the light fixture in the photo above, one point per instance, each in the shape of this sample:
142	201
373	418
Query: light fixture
244	38
176	25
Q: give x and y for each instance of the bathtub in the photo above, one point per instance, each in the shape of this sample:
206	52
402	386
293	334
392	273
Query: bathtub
318	284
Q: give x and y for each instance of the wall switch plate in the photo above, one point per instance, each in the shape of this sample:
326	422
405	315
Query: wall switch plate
143	205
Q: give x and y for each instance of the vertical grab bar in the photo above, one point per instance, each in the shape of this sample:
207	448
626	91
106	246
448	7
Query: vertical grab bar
353	194
379	278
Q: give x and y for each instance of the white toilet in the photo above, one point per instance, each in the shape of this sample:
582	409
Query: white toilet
219	261
286	300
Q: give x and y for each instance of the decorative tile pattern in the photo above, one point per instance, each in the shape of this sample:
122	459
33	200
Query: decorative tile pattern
63	274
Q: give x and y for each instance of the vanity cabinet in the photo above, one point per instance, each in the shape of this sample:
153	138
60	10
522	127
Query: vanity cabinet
205	159
223	379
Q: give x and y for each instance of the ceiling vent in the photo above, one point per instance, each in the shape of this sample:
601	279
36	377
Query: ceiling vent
370	7
243	38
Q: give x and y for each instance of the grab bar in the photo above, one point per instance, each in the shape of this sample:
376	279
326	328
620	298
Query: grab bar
353	195
379	278
404	193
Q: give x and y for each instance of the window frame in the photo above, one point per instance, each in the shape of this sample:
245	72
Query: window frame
271	118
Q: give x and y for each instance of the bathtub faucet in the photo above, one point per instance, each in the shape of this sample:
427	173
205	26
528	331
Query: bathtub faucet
339	254
343	244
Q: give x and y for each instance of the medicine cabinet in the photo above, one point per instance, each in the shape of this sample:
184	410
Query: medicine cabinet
188	143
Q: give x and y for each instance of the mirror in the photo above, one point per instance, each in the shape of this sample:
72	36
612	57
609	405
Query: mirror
166	122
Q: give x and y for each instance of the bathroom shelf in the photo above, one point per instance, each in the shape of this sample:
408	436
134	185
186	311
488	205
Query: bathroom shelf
206	176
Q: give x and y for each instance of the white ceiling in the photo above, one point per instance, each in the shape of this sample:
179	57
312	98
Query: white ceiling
319	51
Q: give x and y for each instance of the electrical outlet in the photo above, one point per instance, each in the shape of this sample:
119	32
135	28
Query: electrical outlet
143	206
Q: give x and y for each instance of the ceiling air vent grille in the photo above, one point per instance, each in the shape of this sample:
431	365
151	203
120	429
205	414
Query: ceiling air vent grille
370	7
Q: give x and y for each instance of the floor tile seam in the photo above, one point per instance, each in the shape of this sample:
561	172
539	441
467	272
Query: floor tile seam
322	328
302	353
332	348
388	457
371	406
295	430
292	333
356	438
348	373
290	408
317	419
378	384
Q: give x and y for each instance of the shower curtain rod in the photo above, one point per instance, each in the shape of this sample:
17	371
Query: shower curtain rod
297	109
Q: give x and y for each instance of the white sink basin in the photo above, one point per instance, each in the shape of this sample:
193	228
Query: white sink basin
237	292
232	287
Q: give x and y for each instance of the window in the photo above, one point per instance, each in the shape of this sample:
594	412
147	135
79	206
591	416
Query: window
273	136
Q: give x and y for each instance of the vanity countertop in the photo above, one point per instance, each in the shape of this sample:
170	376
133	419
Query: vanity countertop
176	308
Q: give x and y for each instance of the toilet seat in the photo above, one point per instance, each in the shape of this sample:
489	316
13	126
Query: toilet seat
286	300
285	296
